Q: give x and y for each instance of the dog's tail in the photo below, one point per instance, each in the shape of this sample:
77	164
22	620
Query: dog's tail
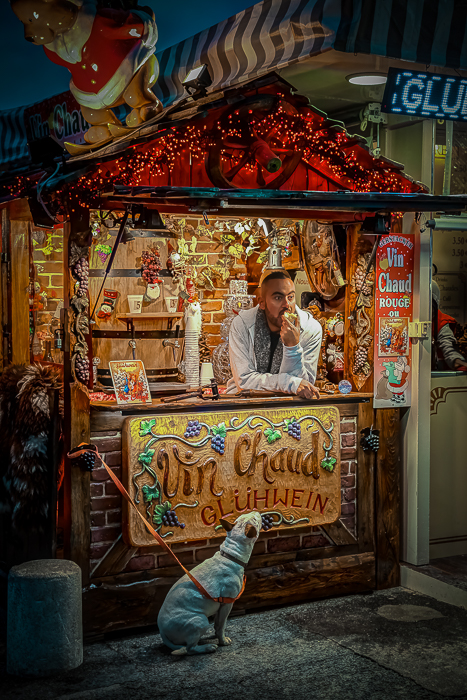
177	649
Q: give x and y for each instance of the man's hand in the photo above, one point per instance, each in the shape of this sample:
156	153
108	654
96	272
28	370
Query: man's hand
459	365
307	390
290	332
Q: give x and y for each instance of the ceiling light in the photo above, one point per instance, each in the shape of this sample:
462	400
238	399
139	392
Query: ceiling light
367	78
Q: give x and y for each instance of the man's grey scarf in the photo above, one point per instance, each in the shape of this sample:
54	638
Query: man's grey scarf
262	346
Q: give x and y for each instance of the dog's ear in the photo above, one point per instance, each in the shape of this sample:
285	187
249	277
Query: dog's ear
226	525
251	531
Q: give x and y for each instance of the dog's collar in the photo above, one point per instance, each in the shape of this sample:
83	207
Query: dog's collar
231	558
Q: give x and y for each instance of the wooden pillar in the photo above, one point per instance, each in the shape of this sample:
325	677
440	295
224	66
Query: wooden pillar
4	296
20	218
416	420
76	395
387	499
365	483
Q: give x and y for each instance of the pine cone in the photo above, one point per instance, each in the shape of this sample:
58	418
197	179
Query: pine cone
204	351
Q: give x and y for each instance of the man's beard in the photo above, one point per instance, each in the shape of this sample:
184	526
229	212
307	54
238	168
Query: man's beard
275	320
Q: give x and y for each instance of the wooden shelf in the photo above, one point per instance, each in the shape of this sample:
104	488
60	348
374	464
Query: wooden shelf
158	314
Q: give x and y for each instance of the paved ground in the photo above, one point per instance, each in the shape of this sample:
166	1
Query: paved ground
391	645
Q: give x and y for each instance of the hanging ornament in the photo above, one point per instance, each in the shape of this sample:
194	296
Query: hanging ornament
369	440
108	304
322	262
335	357
95	363
103	251
153	292
151	266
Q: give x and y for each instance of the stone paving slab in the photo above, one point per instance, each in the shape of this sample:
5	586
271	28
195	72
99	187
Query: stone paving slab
391	645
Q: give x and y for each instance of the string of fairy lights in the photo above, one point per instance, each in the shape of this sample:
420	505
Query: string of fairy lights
325	148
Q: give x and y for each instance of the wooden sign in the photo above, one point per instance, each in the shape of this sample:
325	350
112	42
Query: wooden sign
130	382
186	471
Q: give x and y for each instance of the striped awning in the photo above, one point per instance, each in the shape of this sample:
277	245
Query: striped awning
432	32
275	33
269	35
14	150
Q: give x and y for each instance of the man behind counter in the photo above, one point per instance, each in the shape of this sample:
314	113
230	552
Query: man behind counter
269	352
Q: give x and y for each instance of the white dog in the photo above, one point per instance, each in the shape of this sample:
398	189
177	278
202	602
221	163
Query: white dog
183	618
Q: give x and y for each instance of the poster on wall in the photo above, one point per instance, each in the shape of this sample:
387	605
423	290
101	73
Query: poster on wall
393	311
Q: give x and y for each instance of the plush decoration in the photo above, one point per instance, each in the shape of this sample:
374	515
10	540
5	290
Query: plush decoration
109	53
25	425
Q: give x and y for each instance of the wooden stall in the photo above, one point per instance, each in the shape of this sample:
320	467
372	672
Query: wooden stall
187	195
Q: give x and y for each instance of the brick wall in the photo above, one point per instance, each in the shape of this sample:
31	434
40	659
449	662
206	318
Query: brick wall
212	304
106	512
213	314
349	473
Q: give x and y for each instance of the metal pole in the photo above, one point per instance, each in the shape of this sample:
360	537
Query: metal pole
448	159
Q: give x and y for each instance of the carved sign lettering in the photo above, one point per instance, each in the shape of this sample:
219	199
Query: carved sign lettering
186	471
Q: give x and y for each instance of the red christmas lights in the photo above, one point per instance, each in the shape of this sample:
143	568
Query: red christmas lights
178	156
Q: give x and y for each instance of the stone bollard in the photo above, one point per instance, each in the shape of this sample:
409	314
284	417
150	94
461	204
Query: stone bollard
44	627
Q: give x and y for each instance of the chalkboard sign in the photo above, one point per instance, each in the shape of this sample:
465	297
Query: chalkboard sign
452	294
427	95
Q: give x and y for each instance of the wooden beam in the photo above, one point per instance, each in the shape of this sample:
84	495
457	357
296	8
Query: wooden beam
387	499
77	420
365	484
19	290
5	305
115	559
110	606
338	533
80	511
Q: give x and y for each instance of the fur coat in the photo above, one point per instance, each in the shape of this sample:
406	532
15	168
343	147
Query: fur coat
25	427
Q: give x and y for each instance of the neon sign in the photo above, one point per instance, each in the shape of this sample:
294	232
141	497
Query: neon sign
427	95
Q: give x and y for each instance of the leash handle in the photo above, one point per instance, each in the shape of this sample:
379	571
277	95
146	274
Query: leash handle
153	532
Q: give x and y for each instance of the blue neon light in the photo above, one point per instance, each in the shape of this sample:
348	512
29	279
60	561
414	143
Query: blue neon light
429	95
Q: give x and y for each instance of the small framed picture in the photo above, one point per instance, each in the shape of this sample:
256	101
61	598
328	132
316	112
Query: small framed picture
130	382
393	338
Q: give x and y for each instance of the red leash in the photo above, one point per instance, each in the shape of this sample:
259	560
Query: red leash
155	534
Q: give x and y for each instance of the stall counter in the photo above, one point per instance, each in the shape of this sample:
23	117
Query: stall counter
325	555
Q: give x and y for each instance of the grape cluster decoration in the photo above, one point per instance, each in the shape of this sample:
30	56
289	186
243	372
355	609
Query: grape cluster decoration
81	272
361	284
267	522
293	428
151	266
369	440
361	356
218	444
87	459
219	433
170	519
193	429
82	368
